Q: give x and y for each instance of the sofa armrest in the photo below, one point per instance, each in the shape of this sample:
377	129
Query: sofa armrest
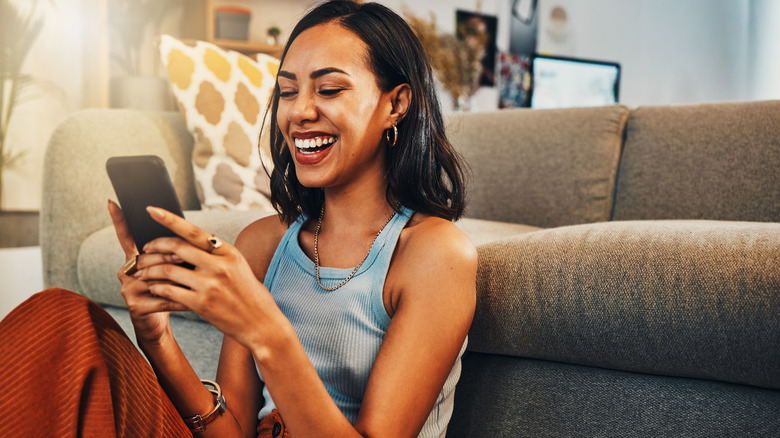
694	299
76	186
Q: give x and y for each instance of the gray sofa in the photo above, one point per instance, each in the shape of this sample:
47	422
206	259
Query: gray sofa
629	275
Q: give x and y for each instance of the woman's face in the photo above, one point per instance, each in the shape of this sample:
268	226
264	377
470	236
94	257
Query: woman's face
331	112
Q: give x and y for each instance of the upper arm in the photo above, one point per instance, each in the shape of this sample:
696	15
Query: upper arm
236	372
434	289
258	241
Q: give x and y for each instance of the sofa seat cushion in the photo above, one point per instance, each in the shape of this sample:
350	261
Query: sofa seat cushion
482	231
679	298
100	255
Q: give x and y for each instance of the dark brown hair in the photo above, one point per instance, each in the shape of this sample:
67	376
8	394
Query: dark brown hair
424	172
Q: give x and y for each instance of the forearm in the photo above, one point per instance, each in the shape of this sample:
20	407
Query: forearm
297	390
184	388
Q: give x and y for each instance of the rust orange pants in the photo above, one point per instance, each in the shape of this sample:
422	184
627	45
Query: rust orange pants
68	370
272	426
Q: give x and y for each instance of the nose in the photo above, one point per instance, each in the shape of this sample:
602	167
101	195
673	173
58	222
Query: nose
303	109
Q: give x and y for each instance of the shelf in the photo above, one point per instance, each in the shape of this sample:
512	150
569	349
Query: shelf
246	47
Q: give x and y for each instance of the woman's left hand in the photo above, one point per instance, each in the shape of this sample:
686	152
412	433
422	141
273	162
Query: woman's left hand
222	287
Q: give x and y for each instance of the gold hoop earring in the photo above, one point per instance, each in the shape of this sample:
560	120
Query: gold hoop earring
395	136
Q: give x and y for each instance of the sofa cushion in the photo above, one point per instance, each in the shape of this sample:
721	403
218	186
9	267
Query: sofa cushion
482	231
222	96
100	255
679	298
545	168
709	161
509	397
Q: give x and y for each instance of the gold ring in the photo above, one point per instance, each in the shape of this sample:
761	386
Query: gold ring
214	243
131	266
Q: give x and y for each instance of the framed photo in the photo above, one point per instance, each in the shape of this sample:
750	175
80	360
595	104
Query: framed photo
479	30
514	80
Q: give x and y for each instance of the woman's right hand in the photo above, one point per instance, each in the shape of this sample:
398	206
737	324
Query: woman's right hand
149	313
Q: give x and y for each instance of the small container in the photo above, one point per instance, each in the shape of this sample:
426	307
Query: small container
232	22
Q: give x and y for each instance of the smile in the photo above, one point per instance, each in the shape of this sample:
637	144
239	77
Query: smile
313	145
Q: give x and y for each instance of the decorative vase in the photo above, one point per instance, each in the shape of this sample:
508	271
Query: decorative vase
461	101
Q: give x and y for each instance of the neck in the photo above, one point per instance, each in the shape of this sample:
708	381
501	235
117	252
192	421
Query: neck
361	210
357	218
346	230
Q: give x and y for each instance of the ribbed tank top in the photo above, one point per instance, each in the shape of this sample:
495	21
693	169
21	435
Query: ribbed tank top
342	330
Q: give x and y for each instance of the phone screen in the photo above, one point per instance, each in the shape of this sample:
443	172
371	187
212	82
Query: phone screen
140	181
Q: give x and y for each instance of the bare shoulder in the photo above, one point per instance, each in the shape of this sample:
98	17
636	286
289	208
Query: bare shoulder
434	259
431	236
258	241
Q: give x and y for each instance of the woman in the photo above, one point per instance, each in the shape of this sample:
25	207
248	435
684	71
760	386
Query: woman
347	313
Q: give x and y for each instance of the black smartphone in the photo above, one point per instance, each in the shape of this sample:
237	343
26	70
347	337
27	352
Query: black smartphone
140	181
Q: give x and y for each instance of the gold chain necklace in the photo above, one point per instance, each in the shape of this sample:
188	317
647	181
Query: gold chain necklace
317	253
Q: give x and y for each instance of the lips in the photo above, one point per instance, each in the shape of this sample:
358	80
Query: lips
314	144
313	148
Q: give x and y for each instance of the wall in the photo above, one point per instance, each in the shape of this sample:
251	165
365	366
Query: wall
58	93
671	51
764	53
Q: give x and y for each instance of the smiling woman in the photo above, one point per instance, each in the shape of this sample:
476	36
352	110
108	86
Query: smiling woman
343	104
352	303
392	60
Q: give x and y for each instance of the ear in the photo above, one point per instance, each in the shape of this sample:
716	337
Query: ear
401	98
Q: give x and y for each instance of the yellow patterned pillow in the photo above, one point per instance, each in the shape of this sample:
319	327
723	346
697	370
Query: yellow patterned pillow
222	96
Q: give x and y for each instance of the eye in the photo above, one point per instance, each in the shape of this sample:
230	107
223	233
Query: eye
327	92
287	93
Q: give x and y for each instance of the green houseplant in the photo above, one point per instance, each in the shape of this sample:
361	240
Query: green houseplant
273	35
19	29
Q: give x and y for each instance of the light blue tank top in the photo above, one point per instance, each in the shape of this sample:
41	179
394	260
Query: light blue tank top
342	330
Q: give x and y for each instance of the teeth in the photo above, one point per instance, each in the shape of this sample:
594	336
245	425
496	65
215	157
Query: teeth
315	142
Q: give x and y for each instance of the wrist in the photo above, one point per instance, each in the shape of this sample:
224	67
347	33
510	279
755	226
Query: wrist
150	345
276	347
199	423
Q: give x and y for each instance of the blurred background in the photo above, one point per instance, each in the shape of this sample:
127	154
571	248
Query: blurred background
88	53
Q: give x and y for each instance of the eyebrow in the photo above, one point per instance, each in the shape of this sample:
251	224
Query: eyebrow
314	75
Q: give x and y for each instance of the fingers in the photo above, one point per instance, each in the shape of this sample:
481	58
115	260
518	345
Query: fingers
191	288
142	301
137	291
145	261
174	293
148	260
170	273
120	227
186	230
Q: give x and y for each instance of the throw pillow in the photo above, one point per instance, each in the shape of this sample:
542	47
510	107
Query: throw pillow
222	96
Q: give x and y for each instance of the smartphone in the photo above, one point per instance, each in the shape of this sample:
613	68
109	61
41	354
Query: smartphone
140	181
